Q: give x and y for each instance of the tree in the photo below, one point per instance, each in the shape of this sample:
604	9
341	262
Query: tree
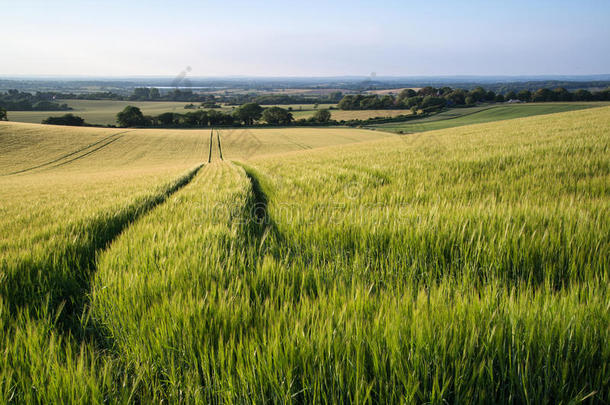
322	116
387	101
412	102
427	91
405	94
335	96
349	103
561	94
140	93
583	95
67	119
167	118
248	113
456	97
433	102
196	118
370	103
477	94
219	118
3	116
277	115
511	95
542	95
154	93
130	117
499	98
524	95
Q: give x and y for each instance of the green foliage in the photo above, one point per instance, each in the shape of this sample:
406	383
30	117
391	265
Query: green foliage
422	99
131	117
15	100
405	94
322	115
248	113
277	115
167	118
524	95
542	95
3	114
145	93
431	101
66	119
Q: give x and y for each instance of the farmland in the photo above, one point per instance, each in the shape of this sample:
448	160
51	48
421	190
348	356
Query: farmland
466	264
345	115
456	117
100	112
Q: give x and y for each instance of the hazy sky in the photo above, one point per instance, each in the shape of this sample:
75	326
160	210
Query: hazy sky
304	38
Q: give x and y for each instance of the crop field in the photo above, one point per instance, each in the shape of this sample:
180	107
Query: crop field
309	265
100	112
457	117
346	115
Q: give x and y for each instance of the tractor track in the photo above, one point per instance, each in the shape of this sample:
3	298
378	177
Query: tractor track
304	147
88	153
212	145
67	155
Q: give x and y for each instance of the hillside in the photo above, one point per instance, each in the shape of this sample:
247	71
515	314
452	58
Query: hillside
468	262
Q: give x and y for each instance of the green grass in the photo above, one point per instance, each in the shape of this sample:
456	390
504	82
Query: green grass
462	265
457	117
346	115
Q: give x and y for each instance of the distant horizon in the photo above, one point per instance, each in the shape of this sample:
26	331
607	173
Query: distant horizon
112	38
596	76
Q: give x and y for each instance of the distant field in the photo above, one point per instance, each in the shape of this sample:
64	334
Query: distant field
300	107
100	112
345	115
391	91
457	117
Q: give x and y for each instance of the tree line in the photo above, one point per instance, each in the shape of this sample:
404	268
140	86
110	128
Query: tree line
431	98
187	95
246	114
14	100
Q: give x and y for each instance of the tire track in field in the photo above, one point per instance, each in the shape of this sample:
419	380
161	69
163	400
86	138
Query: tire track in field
87	153
249	143
67	155
66	283
304	147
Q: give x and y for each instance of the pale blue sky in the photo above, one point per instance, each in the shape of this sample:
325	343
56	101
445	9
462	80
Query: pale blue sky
304	38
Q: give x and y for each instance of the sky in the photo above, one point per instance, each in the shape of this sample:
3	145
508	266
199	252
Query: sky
304	38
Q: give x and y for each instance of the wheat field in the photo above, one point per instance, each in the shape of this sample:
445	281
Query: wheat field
467	264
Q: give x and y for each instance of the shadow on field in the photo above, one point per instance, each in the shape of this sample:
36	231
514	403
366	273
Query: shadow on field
260	225
60	280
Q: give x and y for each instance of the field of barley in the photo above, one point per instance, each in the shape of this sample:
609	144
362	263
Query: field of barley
457	117
461	265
